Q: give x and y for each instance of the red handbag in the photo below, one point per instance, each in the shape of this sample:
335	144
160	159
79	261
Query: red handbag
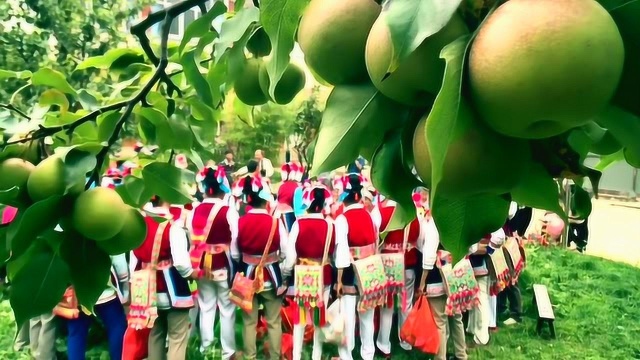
135	344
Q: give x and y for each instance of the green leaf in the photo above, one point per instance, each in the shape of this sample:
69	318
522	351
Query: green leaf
624	126
608	160
195	78
411	22
88	99
158	101
355	120
31	222
202	111
538	190
243	111
280	18
39	285
54	97
392	178
166	181
580	141
54	79
580	203
234	28
78	163
105	61
134	192
163	133
626	15
107	124
216	77
89	266
463	222
182	139
8	74
202	25
8	196
196	159
235	57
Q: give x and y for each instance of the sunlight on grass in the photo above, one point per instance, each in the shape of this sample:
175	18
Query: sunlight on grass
596	302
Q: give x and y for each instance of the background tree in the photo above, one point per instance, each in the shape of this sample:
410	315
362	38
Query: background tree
306	125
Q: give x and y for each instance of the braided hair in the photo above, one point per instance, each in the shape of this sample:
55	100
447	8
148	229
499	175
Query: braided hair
317	204
354	193
252	197
210	183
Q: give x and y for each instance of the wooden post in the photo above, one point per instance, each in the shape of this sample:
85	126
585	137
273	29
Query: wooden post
566	204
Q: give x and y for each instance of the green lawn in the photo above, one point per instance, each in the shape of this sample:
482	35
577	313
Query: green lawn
597	306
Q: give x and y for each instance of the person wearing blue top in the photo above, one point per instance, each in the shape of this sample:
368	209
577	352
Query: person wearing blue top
356	166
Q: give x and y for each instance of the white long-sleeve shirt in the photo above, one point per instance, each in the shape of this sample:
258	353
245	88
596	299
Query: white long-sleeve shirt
121	270
497	239
343	254
232	219
430	245
180	256
513	209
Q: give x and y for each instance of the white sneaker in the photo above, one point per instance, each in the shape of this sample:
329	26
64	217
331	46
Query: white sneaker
510	321
406	346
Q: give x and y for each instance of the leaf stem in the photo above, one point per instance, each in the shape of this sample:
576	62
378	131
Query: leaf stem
10	107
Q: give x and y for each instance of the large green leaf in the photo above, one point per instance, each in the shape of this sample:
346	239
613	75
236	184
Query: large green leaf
202	26
580	203
463	222
195	77
54	79
538	190
624	126
39	285
608	160
54	97
133	192
234	28
8	196
166	181
201	111
8	74
626	15
164	136
353	123
181	133
122	55
33	221
391	176
411	22
280	18
78	163
107	124
243	111
89	266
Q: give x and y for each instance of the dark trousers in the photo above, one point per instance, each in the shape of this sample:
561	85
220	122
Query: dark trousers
579	234
112	316
514	296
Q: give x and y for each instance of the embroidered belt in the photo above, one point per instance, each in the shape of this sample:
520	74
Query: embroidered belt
361	252
310	261
396	247
162	265
255	259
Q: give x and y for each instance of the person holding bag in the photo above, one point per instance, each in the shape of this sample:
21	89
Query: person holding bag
356	239
308	264
261	246
432	286
160	293
213	226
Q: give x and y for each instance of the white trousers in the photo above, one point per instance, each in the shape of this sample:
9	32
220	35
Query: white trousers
194	313
367	347
493	311
386	317
479	317
214	295
298	335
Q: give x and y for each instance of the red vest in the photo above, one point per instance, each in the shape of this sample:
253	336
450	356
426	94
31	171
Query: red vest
397	237
220	230
143	253
311	241
286	191
253	234
386	213
361	227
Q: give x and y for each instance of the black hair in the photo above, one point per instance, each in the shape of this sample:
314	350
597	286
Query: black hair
199	195
252	166
119	163
317	204
251	197
156	201
228	152
211	184
354	195
288	170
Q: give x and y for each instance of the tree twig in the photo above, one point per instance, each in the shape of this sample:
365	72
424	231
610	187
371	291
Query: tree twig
10	107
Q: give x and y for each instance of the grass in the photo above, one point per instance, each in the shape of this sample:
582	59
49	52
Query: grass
596	302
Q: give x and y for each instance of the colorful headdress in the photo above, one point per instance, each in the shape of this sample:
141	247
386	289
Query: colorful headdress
220	175
285	171
299	172
114	173
308	193
259	185
181	161
107	182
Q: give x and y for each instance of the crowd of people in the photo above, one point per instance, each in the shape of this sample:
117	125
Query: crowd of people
317	242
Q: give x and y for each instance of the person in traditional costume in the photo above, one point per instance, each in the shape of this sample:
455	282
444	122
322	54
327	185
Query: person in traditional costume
108	309
519	220
256	229
480	318
403	241
213	226
337	189
315	247
356	239
433	287
299	205
167	245
286	192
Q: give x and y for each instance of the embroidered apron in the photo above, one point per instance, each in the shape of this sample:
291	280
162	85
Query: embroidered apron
461	286
394	269
202	253
370	275
309	284
143	311
515	258
499	272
